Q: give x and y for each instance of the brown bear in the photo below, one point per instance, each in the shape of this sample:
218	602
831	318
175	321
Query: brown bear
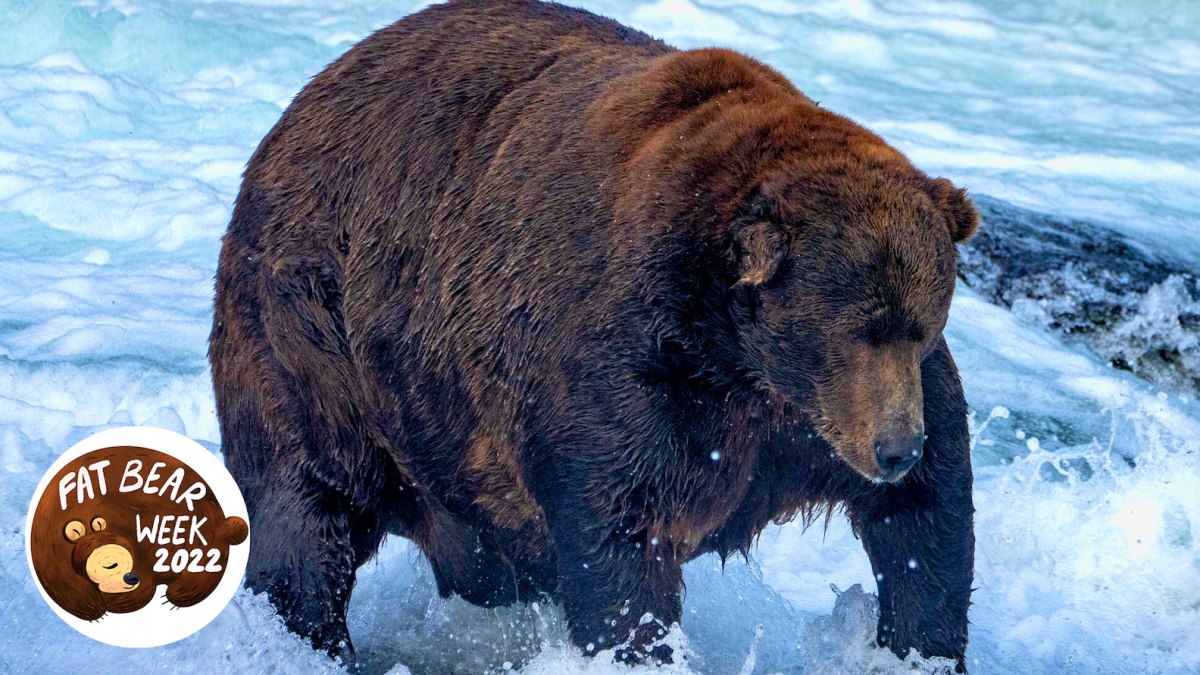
568	308
115	523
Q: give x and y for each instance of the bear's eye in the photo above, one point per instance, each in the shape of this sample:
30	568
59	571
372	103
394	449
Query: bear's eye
98	523
74	530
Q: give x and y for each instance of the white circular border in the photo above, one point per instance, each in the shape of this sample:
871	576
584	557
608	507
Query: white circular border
158	623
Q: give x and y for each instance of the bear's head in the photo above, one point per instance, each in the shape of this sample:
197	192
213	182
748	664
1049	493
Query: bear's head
821	260
105	558
101	569
844	273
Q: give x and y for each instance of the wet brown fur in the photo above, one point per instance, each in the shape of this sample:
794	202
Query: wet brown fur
568	307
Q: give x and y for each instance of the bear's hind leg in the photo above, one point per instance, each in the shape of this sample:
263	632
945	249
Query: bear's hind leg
311	525
307	546
464	561
320	491
320	483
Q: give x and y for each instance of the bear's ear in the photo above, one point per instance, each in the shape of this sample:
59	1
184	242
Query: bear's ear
74	530
957	206
759	248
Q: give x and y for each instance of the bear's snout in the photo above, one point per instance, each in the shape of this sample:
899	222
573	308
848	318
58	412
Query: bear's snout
109	565
897	455
874	412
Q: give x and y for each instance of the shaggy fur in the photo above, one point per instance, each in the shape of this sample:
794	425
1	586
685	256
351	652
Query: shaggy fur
568	308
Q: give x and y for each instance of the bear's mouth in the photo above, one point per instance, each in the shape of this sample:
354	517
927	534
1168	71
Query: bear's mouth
110	567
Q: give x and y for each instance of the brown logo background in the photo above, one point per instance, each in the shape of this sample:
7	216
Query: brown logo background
118	522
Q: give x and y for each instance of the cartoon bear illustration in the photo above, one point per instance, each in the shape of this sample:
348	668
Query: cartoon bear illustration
116	523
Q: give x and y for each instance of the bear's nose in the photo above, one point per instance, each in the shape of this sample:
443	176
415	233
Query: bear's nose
897	455
130	579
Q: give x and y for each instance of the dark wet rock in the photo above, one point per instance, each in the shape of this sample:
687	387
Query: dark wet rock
1133	306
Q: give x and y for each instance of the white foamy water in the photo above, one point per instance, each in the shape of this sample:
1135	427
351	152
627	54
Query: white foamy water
123	130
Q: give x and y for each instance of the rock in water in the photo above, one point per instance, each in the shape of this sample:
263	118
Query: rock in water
1131	305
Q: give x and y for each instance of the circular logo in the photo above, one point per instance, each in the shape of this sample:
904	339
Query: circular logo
137	537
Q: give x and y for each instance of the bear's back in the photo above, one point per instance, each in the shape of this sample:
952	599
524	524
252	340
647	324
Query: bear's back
401	113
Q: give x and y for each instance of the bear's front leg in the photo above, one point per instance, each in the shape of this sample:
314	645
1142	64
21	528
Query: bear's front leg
188	590
620	588
919	532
